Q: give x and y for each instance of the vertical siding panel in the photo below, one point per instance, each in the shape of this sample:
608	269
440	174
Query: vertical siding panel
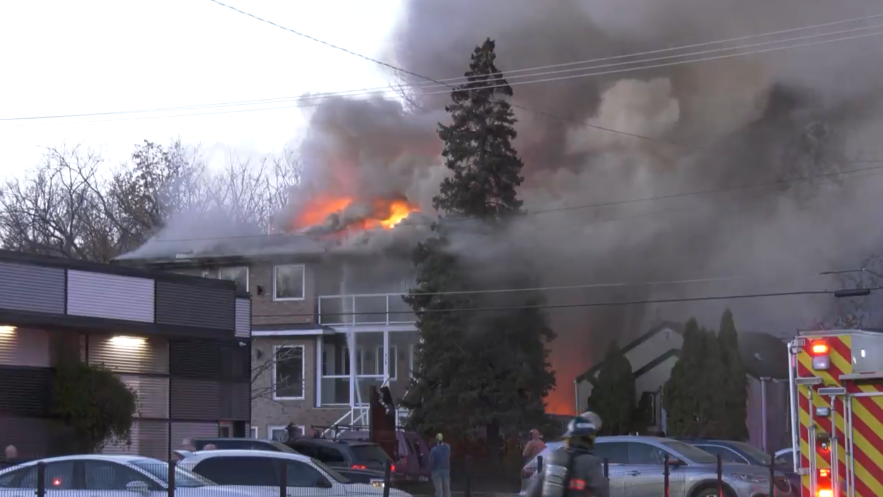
24	347
181	431
235	401
153	395
110	296
25	391
195	399
153	439
149	357
31	288
209	360
196	306
243	318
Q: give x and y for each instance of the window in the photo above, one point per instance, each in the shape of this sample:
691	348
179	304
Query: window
239	275
252	471
183	477
727	455
785	458
640	453
288	372
302	475
370	453
102	475
279	433
13	479
288	282
253	432
59	476
695	456
330	455
615	453
393	361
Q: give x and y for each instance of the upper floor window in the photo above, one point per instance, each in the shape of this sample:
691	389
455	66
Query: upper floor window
288	282
239	275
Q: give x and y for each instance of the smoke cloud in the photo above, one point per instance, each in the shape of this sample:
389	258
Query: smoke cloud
720	125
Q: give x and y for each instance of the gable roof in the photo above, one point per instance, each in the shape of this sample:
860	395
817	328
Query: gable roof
665	325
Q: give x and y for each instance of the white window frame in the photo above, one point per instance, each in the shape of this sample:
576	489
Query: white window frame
391	357
303	371
303	283
254	432
272	428
247	274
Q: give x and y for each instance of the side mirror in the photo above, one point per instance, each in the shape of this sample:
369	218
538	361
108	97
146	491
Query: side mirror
138	487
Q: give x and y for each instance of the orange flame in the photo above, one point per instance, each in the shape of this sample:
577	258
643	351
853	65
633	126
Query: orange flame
387	213
319	208
398	211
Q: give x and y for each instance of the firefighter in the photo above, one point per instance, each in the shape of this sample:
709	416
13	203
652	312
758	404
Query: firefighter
573	471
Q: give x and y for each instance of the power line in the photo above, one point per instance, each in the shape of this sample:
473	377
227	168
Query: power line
710	191
441	83
584	304
584	206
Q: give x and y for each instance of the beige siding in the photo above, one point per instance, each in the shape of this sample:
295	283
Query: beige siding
24	347
153	395
151	356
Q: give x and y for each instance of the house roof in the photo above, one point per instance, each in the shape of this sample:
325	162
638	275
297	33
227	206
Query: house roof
763	355
665	325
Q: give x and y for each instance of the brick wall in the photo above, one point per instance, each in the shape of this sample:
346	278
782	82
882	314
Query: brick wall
268	412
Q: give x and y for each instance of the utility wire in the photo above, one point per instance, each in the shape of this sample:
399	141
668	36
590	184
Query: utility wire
588	206
584	304
441	83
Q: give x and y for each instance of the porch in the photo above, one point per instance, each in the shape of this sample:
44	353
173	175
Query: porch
371	344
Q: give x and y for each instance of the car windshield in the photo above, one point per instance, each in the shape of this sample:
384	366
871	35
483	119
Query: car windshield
183	477
752	452
333	474
370	453
693	454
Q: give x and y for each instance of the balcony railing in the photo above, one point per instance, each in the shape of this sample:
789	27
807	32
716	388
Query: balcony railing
364	309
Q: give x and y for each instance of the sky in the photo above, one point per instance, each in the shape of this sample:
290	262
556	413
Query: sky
92	56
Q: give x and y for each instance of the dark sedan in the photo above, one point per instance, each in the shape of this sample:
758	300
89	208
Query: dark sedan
740	452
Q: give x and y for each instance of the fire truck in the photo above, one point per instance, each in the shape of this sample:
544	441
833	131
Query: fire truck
836	395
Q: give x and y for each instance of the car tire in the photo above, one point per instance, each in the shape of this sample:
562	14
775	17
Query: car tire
710	491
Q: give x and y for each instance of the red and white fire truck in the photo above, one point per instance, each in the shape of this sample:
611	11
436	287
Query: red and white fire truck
836	385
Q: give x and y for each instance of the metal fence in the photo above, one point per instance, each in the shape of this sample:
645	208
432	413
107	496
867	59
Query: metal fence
671	479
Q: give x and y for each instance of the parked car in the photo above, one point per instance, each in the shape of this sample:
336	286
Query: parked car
347	455
108	476
223	443
259	471
355	473
412	454
636	470
785	457
740	452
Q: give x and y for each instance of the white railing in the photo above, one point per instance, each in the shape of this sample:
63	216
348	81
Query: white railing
364	309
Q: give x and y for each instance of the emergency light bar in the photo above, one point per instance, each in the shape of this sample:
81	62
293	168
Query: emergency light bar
820	359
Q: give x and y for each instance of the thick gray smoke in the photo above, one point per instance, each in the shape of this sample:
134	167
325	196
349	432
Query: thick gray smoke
743	121
739	121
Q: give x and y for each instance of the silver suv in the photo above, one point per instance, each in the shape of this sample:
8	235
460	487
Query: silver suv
636	470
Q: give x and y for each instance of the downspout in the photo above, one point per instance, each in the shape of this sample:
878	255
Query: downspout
763	414
575	397
795	434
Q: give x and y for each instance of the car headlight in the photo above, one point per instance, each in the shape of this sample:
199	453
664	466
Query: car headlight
750	478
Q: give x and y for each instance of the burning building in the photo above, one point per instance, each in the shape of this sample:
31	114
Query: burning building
603	206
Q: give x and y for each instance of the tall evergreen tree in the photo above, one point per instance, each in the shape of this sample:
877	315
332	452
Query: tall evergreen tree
694	396
476	371
679	397
613	398
736	380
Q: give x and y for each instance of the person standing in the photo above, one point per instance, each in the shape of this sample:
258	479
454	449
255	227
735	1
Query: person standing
534	446
574	470
440	466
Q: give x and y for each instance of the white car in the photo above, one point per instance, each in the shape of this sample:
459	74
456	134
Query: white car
259	471
96	475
